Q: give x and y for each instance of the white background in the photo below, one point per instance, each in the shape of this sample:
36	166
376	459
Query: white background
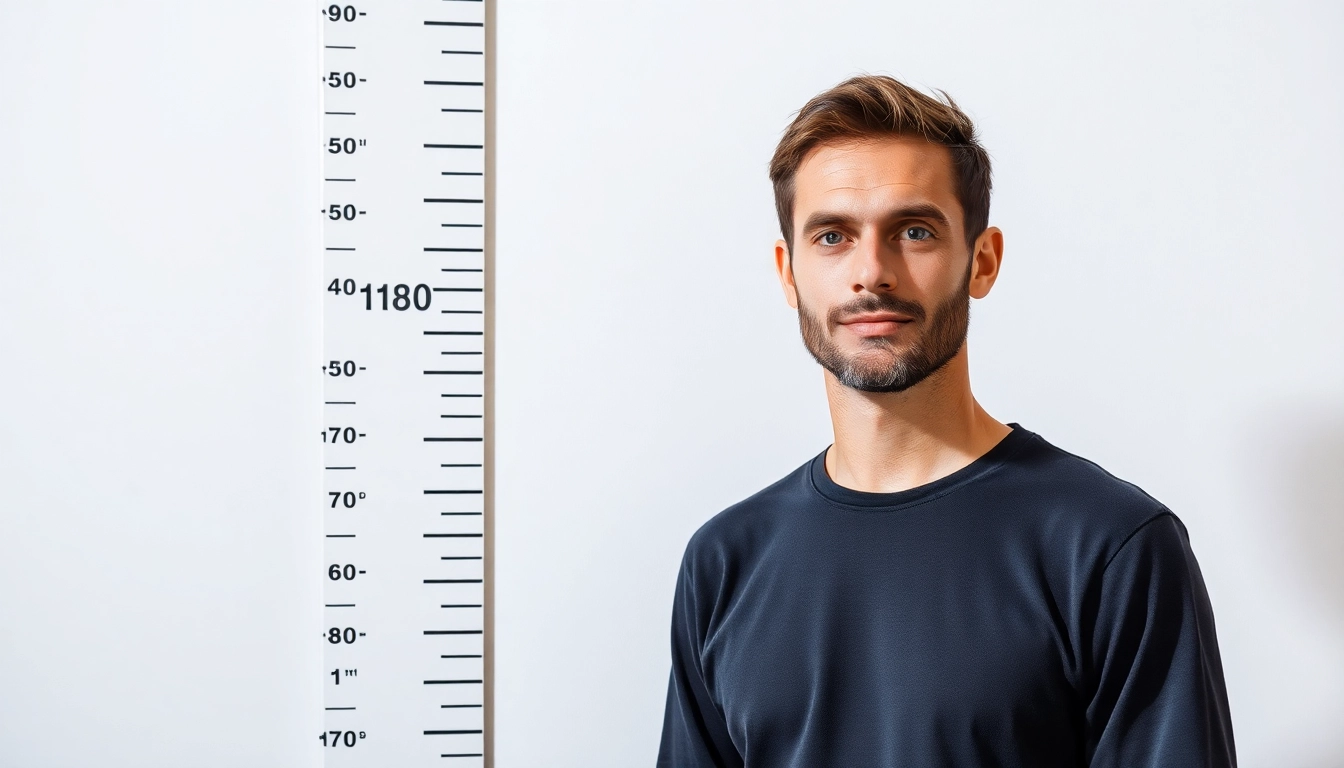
1168	178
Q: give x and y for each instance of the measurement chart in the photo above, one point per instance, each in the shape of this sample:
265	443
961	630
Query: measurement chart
407	323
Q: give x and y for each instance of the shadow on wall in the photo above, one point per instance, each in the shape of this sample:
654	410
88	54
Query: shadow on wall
1299	455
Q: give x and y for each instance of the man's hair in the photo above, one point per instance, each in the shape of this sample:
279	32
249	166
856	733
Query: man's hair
874	106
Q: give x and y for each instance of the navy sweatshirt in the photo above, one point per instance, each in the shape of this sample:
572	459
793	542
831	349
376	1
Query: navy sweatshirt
1030	609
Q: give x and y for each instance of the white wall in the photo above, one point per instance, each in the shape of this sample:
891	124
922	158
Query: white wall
160	392
1167	177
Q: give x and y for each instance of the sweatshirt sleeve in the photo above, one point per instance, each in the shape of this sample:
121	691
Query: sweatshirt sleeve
695	734
1158	695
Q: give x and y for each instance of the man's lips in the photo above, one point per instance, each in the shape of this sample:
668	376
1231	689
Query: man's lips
878	324
878	317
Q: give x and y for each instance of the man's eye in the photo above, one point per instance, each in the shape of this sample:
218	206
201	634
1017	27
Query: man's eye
927	233
825	241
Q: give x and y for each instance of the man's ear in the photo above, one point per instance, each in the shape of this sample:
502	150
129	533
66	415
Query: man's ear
985	261
783	266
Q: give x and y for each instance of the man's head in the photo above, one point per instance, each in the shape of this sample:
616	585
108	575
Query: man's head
883	201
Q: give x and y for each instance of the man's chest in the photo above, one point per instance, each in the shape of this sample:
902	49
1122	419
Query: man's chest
890	651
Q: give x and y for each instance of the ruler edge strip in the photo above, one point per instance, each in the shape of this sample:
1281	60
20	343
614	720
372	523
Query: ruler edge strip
488	391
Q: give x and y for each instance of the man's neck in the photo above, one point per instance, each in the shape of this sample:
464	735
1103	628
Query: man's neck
894	441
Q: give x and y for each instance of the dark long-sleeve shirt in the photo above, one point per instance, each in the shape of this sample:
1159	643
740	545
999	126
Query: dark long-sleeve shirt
1030	609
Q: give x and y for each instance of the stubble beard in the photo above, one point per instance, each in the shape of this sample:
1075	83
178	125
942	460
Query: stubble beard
883	364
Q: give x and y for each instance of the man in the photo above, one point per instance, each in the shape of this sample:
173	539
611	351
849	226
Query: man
935	588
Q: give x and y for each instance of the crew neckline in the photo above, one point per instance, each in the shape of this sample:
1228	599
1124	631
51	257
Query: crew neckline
987	462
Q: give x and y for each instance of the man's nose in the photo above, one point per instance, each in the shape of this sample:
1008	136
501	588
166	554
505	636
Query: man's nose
874	264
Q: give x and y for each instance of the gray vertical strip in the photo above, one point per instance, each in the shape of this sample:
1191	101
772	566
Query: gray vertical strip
488	458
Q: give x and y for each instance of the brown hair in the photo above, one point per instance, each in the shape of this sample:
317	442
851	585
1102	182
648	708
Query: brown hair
869	106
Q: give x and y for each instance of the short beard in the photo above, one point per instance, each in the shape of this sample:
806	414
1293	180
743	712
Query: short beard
880	366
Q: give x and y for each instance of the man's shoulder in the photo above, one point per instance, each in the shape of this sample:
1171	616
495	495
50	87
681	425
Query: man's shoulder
1079	500
747	525
1062	475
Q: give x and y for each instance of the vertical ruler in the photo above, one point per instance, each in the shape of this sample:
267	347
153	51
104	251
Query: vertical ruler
407	329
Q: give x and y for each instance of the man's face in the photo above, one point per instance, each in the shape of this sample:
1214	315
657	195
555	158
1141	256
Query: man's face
878	230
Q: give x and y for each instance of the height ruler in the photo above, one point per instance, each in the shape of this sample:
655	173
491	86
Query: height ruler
408	324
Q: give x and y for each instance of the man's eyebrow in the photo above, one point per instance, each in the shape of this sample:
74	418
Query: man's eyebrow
928	211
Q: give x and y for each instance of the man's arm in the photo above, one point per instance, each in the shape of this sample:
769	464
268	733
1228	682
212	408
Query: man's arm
1158	696
695	734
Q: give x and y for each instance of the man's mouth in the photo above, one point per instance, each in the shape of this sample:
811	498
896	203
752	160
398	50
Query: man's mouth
876	323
